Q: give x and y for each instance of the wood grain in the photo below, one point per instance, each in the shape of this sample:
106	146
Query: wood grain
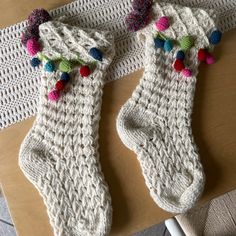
214	128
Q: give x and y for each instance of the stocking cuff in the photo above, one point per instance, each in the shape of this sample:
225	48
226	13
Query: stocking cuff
184	21
62	40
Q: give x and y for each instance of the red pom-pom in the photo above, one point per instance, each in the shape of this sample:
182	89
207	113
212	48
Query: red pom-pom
202	54
85	71
60	85
178	65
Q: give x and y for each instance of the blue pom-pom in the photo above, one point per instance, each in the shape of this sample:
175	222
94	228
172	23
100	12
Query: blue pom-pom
35	62
168	45
159	43
96	54
49	66
65	76
215	37
180	55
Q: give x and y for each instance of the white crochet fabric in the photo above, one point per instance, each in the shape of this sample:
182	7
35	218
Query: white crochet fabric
156	121
60	153
19	82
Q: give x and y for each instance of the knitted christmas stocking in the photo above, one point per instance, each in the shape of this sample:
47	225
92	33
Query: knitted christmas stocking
60	153
156	121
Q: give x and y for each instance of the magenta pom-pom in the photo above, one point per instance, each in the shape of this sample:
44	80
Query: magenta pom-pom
162	24
210	59
142	6
186	72
29	33
136	21
38	17
33	46
54	95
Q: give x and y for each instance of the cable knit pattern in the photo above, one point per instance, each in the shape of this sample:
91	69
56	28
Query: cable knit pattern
156	121
19	82
60	153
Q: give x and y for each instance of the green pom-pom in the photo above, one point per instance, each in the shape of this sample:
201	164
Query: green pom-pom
40	56
186	42
65	66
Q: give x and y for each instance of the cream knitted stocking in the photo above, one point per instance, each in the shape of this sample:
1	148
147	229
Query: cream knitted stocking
60	153
156	121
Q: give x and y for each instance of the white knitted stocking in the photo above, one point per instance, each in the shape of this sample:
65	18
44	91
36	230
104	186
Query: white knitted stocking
60	153
156	121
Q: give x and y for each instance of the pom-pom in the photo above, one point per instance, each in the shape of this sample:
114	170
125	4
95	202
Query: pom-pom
96	54
38	16
180	55
201	55
65	76
159	43
215	37
186	42
29	33
186	72
54	95
85	71
136	21
60	85
65	66
178	65
168	45
142	5
162	24
33	46
210	59
35	62
49	66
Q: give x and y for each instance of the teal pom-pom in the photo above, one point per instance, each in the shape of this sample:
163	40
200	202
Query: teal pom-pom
49	66
96	54
168	46
215	37
35	62
159	43
65	76
180	55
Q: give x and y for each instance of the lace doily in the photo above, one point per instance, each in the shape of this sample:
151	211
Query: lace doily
19	82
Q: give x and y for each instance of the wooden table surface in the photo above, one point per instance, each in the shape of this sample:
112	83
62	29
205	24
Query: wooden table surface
214	128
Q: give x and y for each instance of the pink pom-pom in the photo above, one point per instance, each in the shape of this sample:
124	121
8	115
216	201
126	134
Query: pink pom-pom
54	95
162	24
186	72
33	46
210	59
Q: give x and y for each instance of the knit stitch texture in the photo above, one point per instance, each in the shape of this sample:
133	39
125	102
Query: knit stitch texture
19	93
156	121
60	153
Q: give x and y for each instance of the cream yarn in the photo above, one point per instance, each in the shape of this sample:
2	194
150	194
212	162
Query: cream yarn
156	121
60	153
19	82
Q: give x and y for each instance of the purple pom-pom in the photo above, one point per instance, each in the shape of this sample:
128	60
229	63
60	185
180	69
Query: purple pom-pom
38	17
142	6
29	33
135	21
